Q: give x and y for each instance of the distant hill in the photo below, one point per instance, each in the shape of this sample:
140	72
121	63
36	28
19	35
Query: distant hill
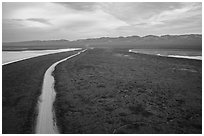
36	45
191	41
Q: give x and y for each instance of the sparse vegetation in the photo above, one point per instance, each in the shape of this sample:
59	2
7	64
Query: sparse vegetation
101	92
22	82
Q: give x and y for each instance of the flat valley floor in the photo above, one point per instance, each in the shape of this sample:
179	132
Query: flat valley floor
113	91
107	91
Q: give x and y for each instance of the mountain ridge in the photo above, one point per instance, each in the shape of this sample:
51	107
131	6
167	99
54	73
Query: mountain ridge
185	41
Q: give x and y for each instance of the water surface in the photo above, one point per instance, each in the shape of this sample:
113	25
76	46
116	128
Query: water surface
13	56
178	53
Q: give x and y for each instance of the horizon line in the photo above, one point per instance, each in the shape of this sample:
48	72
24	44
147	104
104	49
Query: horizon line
102	37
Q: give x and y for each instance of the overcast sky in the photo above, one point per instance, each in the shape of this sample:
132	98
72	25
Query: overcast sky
71	21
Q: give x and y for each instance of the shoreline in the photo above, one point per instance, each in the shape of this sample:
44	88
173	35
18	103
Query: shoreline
21	87
185	57
99	80
105	90
171	56
37	55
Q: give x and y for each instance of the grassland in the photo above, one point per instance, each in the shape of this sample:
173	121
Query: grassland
22	82
113	91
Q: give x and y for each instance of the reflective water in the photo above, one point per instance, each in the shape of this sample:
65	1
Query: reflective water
188	54
13	56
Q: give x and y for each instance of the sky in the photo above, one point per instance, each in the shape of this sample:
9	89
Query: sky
72	21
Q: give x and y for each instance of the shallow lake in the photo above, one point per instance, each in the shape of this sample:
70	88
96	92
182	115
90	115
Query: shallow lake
178	53
12	56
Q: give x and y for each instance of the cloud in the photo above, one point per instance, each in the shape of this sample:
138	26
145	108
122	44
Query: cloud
151	13
86	19
177	14
84	6
39	20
